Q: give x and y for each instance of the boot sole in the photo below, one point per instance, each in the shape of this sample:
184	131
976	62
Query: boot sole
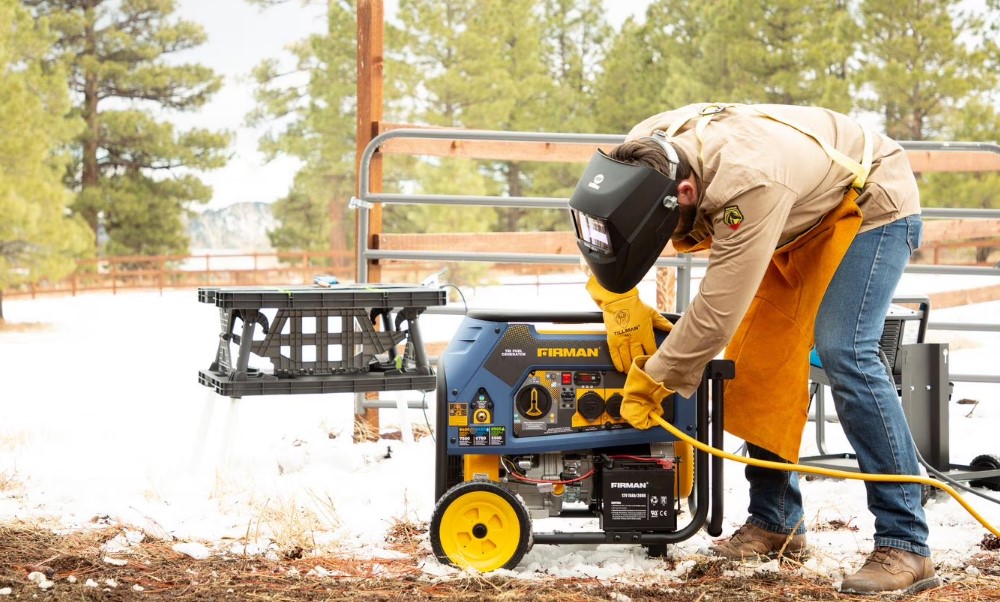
926	584
919	586
796	556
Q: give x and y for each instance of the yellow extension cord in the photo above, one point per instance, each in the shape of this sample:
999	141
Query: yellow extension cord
841	474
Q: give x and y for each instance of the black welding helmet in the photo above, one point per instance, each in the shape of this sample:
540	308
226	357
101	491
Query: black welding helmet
624	215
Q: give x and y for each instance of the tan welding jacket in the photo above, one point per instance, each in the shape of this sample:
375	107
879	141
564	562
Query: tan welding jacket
764	185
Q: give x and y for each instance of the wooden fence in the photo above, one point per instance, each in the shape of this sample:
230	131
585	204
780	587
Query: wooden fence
111	274
163	272
947	242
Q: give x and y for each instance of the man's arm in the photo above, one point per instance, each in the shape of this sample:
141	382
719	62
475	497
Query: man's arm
746	231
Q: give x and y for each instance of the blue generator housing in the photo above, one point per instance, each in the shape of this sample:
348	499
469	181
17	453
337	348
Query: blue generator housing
513	383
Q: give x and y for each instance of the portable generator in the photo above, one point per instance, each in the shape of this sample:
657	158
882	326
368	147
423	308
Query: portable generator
529	427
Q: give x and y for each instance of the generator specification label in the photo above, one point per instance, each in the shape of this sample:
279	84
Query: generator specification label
631	507
481	436
458	414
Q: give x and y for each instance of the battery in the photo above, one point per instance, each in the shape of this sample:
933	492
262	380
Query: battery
638	496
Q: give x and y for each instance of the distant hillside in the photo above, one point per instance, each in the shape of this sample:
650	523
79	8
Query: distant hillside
241	227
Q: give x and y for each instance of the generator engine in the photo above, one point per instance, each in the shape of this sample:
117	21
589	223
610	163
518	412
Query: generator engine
547	482
555	483
530	428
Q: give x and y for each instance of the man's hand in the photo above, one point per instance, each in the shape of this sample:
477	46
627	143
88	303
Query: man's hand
629	323
643	396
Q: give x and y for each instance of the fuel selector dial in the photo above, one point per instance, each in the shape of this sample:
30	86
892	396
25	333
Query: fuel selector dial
533	402
590	406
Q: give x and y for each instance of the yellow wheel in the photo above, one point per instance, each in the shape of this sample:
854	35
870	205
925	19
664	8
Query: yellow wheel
481	525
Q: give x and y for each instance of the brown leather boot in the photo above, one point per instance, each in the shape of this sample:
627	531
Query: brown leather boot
891	569
750	541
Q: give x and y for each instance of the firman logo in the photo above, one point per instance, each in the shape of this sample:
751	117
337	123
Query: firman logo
569	352
627	485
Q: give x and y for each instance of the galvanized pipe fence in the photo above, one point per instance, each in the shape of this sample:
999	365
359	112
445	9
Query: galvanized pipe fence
684	263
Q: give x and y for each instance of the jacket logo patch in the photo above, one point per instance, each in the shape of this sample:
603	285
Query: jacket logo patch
732	216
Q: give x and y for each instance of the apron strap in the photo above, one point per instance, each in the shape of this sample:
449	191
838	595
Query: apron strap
860	170
705	115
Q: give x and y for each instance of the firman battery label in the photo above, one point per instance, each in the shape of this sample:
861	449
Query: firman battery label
639	496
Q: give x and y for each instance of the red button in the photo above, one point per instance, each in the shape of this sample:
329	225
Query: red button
567	378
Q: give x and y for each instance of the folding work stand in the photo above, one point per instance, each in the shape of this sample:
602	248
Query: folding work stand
337	339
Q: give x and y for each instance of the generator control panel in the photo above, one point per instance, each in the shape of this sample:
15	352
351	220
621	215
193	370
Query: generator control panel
507	386
554	401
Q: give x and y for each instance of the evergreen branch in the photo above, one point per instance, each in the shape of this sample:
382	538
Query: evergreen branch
12	249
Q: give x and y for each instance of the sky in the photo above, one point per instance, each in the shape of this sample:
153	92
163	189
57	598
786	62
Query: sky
239	37
103	423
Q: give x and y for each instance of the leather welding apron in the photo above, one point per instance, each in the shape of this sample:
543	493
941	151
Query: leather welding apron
767	403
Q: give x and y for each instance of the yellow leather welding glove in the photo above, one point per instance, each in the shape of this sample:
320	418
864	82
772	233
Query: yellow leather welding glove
629	323
643	396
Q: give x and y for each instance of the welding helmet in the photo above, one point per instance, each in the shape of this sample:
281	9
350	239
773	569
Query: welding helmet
624	215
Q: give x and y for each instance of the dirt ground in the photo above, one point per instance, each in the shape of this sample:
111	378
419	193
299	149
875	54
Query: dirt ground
37	564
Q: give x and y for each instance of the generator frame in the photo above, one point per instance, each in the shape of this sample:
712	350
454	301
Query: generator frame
706	499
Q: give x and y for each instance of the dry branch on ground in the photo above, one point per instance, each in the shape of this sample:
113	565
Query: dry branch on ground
76	565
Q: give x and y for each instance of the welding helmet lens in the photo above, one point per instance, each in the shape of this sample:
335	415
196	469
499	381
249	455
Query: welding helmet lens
624	215
592	231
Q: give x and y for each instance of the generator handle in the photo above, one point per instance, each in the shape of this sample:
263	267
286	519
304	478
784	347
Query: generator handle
717	372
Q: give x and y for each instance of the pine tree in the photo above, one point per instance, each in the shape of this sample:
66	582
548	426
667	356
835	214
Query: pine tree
576	38
134	174
632	81
453	63
932	66
922	60
433	43
310	106
515	66
758	51
38	241
505	46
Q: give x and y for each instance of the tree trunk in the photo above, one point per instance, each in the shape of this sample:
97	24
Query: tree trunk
90	178
338	234
514	188
983	254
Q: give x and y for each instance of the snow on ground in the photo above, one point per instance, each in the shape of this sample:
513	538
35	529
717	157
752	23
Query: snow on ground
102	421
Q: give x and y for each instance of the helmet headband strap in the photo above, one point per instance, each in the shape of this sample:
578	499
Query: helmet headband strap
660	137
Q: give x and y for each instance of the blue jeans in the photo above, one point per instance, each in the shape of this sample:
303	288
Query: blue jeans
848	328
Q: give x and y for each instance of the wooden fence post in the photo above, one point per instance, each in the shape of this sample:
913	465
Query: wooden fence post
666	289
371	17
